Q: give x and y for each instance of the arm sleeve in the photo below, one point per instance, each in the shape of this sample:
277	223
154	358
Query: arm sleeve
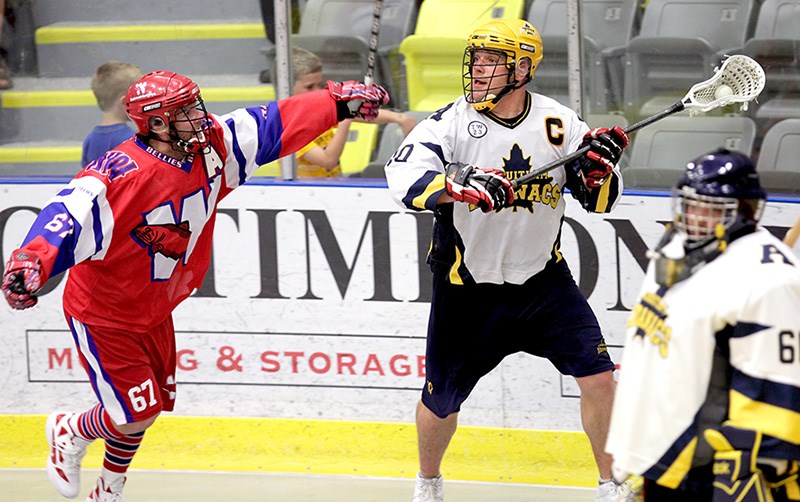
415	173
74	226
765	385
599	200
259	135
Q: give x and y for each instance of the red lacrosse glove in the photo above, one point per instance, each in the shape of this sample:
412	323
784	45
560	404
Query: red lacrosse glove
22	278
361	101
489	189
605	149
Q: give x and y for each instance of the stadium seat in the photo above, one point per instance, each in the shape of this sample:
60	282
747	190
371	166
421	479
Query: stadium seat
606	120
607	26
679	44
338	31
390	139
434	53
777	163
609	120
659	152
459	17
776	45
357	152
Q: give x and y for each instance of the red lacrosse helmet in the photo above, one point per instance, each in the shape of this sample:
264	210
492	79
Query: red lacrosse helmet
157	94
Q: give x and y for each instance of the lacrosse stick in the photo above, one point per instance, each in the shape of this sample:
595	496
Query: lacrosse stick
740	79
377	10
791	236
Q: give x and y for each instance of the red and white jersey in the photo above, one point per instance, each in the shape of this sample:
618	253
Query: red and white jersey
135	226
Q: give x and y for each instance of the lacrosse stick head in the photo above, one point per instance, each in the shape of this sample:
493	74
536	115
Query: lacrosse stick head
740	79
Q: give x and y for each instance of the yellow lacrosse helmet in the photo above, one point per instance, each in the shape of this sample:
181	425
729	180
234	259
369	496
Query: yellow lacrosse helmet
515	39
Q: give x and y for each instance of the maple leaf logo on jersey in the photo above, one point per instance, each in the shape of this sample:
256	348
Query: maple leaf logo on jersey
516	161
170	240
517	165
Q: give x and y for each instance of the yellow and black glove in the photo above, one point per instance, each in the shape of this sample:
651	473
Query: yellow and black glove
736	473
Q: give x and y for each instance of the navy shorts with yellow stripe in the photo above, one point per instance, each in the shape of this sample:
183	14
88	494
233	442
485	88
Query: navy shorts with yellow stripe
473	327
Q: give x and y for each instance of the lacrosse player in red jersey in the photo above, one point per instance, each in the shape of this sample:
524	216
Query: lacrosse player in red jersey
707	407
500	282
135	228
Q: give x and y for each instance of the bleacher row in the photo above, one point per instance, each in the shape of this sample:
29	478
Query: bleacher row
638	58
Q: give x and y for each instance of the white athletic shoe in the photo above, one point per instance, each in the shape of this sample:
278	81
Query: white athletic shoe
66	453
107	492
429	489
628	491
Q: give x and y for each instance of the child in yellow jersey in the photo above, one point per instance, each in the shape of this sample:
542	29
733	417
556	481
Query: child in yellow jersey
320	158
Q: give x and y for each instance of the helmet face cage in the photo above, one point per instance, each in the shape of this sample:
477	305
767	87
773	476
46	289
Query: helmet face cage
718	197
701	218
199	124
512	39
498	84
172	98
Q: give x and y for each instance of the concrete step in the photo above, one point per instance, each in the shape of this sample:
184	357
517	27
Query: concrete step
42	158
64	109
75	49
63	158
49	12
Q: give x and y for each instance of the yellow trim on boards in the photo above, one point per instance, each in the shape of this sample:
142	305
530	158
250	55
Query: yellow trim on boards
326	447
153	33
39	99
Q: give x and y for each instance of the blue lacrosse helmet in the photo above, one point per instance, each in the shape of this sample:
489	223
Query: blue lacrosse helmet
719	197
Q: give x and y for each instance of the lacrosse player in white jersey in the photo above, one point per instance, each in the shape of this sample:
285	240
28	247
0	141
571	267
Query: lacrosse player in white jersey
708	402
500	282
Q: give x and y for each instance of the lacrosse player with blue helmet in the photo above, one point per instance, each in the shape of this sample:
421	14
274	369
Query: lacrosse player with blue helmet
707	401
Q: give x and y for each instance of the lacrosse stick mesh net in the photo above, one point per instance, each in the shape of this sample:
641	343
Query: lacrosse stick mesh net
743	75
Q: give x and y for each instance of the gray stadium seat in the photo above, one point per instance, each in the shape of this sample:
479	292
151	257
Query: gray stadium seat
390	140
607	26
606	120
338	31
659	152
776	45
679	44
777	163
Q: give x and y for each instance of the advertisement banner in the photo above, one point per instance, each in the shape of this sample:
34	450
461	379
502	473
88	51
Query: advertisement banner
316	306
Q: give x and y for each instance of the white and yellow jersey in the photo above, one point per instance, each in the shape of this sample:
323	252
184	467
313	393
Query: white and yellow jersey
747	300
515	243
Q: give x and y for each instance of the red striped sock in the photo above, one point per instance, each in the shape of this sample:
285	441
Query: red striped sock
94	423
120	452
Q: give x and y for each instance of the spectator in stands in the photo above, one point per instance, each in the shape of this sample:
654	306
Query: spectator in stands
5	73
111	82
320	158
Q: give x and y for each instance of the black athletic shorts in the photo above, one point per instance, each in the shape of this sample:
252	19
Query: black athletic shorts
473	327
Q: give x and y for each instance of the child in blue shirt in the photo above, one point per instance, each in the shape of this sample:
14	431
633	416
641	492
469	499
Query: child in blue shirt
109	85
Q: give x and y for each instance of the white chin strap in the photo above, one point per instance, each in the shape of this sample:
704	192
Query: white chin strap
194	145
